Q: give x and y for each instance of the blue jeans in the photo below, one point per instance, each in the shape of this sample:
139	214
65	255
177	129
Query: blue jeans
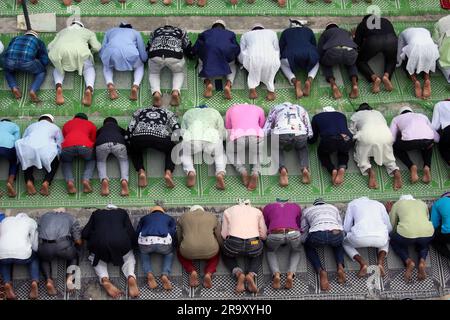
163	249
10	155
7	264
34	67
249	248
324	238
70	153
400	246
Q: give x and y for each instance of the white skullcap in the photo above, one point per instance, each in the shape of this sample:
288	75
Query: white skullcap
328	109
257	25
405	108
220	21
78	23
196	207
48	115
406	197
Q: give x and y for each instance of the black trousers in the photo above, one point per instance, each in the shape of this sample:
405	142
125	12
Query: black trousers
28	173
236	247
425	146
331	144
444	144
373	45
337	56
440	242
140	143
63	249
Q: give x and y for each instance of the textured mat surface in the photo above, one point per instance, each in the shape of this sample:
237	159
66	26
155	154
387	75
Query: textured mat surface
204	191
223	8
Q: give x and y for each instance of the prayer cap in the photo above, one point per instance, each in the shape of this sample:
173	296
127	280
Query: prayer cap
330	25
364	106
318	201
220	22
78	23
81	115
405	108
257	25
156	208
196	207
47	115
328	109
406	197
294	22
125	24
33	33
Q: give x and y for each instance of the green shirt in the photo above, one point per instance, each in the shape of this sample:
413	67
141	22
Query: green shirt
203	124
410	219
441	35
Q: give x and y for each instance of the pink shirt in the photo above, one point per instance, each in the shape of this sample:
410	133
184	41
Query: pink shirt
243	221
244	120
413	126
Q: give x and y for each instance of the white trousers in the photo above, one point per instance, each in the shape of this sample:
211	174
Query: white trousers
156	64
129	263
212	152
88	74
138	73
229	77
289	74
352	242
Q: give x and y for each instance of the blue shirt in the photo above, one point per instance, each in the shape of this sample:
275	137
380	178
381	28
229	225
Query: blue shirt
157	224
440	214
329	124
9	133
27	48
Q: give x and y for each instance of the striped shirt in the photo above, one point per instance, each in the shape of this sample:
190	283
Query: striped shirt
27	48
324	217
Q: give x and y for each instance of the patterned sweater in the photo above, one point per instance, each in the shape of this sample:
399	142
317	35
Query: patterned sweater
170	42
153	121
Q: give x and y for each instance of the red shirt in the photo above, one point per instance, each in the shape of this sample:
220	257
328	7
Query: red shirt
79	132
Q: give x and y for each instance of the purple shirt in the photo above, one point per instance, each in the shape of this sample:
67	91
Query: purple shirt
282	215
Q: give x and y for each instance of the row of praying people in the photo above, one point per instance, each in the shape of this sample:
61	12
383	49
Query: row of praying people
245	129
200	235
260	52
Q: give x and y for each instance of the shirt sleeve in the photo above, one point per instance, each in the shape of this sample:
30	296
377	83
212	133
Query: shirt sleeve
349	218
436	121
94	43
224	231
228	119
435	215
315	130
16	133
269	121
86	232
132	124
385	217
59	138
174	126
43	53
393	217
34	240
394	128
307	123
401	43
262	118
141	47
93	133
262	227
75	230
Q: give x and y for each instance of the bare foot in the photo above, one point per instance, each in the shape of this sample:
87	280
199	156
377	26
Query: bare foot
382	271
409	270
240	285
207	281
157	99
169	180
67	2
414	176
227	90
45	188
336	92
111	289
142	180
167	285
355	92
190	180
193	279
282	3
307	88
16	92
298	88
397	180
284	179
9	292
87	97
421	274
426	175
245	178
133	290
333	176
253	183
270	96
250	279
87	188
324	284
175	98
233	2
10	190
105	187
59	96
208	89
426	89
34	290
387	84
376	85
167	2
417	89
134	92
124	192
339	177
253	94
112	92
69	283
306	176
341	275
34	97
289	281
373	184
201	3
220	181
51	290
362	271
71	187
151	281
31	190
276	281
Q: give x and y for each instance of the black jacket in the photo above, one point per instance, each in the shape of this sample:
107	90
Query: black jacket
335	37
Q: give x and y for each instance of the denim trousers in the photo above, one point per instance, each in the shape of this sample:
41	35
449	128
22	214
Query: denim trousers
10	155
249	248
70	153
166	250
324	238
34	67
119	151
32	263
275	241
400	246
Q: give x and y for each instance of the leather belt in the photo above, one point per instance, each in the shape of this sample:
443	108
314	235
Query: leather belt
282	230
57	240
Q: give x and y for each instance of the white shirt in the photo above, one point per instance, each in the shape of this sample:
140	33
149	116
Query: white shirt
288	118
18	237
366	217
441	115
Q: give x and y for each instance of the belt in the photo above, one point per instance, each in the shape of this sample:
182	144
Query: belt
236	238
282	230
57	240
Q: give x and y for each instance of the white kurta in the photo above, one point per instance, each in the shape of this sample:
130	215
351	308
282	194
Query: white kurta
40	144
260	56
18	237
416	45
373	139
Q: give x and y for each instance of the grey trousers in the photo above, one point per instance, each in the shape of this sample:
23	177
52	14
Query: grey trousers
274	242
299	143
119	151
63	249
236	153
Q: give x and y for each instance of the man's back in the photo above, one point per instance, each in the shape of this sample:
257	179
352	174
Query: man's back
23	48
